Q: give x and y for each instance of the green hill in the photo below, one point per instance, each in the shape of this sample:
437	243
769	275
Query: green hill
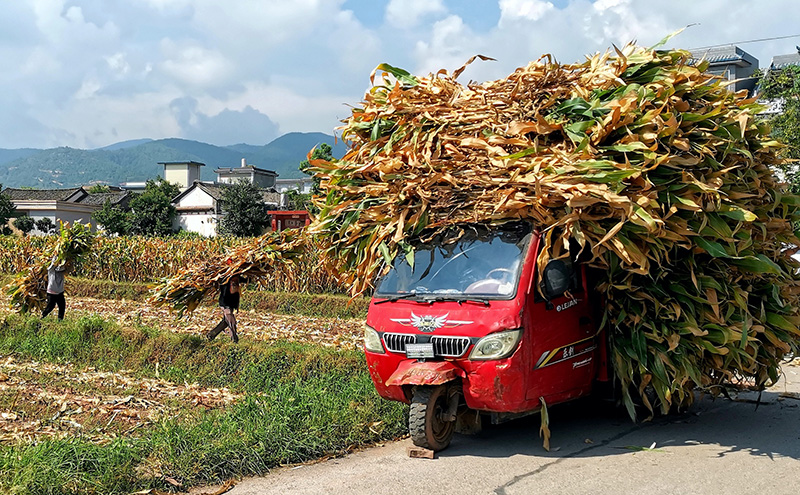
11	155
129	161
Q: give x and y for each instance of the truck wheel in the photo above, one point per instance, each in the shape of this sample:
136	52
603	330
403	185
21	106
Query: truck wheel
427	422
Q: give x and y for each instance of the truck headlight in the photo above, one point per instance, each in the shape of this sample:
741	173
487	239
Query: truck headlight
496	346
372	341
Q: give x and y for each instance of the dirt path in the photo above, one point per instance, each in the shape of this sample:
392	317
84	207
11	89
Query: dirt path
334	332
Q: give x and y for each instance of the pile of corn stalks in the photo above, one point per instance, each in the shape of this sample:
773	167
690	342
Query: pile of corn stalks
28	290
659	174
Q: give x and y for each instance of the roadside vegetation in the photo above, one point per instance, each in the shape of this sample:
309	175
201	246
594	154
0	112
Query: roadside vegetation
242	410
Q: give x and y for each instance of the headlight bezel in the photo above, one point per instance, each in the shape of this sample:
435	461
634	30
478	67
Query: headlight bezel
508	341
372	340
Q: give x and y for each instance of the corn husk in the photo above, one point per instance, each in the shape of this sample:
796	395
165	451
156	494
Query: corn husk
28	291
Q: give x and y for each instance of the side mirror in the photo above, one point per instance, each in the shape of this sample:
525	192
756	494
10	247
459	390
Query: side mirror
557	277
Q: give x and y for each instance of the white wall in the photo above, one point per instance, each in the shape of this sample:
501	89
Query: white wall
205	222
74	213
285	185
196	197
202	223
182	174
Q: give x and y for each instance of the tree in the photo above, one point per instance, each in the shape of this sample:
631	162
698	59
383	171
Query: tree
24	223
299	201
114	219
7	210
321	152
152	211
99	188
783	86
245	211
45	225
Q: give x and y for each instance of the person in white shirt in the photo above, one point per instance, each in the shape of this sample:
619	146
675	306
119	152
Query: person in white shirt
55	288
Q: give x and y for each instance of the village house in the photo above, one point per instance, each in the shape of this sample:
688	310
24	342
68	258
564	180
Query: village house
302	185
199	206
730	63
778	63
64	205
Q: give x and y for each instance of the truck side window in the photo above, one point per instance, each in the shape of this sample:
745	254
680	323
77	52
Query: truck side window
558	278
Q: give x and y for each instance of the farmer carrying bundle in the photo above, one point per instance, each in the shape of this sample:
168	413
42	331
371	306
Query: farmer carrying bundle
41	286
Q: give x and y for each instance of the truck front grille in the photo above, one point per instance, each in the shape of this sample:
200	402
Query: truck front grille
442	346
450	346
396	342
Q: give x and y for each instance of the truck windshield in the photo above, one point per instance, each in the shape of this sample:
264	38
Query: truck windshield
482	263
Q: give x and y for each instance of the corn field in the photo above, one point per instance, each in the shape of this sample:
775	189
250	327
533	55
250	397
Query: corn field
146	260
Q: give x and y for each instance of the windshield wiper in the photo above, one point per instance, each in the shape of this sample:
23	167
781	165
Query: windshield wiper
398	297
459	300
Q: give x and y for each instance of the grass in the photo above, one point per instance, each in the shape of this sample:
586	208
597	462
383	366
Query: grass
300	402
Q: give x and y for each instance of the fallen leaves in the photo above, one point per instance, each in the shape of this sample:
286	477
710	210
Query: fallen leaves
41	400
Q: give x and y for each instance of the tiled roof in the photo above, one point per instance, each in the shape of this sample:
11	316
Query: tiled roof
216	191
100	198
75	195
213	190
39	194
247	169
721	54
781	61
270	196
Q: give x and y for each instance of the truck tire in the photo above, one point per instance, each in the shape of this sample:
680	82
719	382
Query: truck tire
426	422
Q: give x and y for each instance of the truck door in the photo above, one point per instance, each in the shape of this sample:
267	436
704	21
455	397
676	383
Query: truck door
564	335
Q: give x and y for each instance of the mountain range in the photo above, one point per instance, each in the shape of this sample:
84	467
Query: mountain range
138	160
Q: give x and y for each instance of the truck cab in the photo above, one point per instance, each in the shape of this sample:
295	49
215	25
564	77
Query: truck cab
466	322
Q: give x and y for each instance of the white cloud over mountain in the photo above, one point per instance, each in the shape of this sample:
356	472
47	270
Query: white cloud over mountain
87	73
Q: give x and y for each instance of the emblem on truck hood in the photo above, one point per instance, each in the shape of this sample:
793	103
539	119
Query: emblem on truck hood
429	323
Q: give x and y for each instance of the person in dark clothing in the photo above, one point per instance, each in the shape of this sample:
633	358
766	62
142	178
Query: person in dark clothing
228	301
55	288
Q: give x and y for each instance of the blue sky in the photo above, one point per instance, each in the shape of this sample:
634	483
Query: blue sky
89	73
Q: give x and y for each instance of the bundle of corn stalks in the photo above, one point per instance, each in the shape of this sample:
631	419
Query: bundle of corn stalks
255	261
659	174
28	290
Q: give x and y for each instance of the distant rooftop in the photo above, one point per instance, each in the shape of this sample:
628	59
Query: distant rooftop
718	55
782	61
39	194
183	163
72	195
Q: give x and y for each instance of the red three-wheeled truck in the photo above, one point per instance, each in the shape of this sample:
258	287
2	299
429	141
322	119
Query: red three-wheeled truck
466	325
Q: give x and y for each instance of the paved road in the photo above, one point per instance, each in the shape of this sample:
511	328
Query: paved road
719	447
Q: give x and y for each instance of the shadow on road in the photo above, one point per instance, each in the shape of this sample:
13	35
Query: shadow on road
590	429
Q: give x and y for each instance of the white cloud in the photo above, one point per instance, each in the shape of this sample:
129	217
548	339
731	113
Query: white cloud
92	72
294	110
118	64
195	66
89	88
451	44
408	13
526	10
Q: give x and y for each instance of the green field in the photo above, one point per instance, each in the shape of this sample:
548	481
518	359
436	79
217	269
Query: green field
291	403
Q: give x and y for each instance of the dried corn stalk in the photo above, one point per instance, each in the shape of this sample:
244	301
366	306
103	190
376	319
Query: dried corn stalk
656	171
254	260
28	291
